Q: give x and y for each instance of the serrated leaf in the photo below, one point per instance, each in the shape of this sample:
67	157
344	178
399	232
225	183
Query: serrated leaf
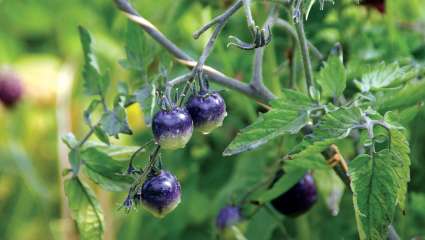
379	183
332	77
290	178
139	53
105	171
146	97
115	122
101	134
94	82
85	209
375	184
382	76
289	114
334	126
413	93
400	151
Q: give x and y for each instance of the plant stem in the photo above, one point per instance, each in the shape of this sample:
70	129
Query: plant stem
142	177
86	137
303	45
184	58
288	28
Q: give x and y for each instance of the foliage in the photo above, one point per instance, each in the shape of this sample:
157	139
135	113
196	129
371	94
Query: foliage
370	107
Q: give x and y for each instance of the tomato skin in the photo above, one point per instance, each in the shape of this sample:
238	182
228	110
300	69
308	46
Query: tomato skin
376	4
297	200
11	89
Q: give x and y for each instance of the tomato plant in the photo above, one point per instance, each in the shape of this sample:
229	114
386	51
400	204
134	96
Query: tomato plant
267	120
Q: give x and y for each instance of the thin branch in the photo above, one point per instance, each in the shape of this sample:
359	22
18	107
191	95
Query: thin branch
302	41
230	11
258	94
248	14
184	58
257	75
288	28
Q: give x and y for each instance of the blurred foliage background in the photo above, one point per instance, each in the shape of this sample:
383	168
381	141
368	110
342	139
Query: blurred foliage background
40	41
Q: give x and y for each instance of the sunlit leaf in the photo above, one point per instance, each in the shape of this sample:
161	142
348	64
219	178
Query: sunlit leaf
85	209
289	114
94	82
332	77
115	122
146	97
379	184
334	126
105	171
412	94
383	75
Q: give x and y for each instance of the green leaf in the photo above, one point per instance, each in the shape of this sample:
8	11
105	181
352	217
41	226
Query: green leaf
139	52
94	82
332	77
85	209
74	160
400	151
379	184
290	113
330	187
315	161
105	171
261	226
334	126
146	97
413	93
70	140
115	122
101	134
289	179
374	182
90	109
382	76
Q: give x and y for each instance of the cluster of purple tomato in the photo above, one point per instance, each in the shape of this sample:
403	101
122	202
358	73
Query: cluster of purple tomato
172	129
11	89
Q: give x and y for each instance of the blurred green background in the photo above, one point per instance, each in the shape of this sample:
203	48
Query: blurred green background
39	40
